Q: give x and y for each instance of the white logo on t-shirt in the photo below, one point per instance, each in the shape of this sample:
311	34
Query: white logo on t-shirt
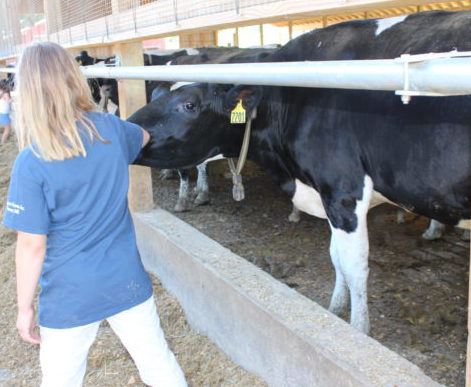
15	208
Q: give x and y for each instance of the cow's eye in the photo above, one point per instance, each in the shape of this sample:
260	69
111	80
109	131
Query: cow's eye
189	107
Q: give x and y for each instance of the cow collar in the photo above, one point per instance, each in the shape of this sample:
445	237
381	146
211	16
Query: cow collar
238	192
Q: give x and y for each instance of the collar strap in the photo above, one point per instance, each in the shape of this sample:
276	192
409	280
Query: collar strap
238	188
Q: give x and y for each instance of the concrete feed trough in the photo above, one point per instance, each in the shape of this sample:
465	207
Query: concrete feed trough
262	324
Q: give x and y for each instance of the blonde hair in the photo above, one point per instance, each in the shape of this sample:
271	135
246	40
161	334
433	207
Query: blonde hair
52	97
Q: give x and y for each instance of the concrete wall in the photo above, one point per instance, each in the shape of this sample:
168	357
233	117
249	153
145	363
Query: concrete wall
263	325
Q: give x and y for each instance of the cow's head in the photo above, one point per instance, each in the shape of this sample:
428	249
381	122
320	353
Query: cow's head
192	123
84	59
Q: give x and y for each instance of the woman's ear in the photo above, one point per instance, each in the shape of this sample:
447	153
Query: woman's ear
249	95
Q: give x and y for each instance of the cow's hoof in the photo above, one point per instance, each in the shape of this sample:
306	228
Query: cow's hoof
201	199
362	326
294	217
432	233
337	309
182	206
465	235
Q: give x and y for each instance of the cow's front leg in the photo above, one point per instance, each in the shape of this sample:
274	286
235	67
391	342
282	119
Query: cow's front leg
166	174
202	189
182	201
349	253
295	215
435	230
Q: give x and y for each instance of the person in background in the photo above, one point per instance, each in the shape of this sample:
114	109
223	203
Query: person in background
68	201
5	121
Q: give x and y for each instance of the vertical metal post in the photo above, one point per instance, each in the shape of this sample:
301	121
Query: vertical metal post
58	29
175	11
46	14
84	22
134	6
107	28
8	27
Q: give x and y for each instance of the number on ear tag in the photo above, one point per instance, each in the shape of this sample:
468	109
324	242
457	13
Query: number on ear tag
238	114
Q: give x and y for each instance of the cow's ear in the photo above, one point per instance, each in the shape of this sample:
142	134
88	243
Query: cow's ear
250	96
161	89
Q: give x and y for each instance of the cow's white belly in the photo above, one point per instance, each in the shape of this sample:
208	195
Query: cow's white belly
378	199
308	200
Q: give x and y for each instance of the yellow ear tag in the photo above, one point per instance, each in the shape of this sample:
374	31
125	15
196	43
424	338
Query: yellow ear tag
238	114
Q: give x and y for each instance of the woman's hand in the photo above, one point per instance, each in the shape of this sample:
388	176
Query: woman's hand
25	323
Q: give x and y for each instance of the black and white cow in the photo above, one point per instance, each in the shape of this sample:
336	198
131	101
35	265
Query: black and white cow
204	55
83	59
337	152
108	88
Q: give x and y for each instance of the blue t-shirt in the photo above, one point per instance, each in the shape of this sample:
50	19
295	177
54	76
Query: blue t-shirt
92	269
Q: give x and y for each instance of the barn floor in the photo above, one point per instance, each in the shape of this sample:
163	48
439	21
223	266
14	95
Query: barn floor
417	288
109	363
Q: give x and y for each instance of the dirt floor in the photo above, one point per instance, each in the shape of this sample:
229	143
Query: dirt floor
417	288
109	363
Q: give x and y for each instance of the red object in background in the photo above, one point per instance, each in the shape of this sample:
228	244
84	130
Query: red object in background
37	32
154	43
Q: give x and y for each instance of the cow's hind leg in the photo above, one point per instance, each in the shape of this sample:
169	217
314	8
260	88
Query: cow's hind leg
202	189
183	203
349	253
339	300
350	256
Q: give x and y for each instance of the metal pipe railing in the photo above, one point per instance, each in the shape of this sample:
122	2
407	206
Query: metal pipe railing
429	74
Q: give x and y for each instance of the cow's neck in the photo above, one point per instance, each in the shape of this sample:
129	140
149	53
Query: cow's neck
267	148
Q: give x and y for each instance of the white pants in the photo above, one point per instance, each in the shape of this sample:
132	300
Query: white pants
64	352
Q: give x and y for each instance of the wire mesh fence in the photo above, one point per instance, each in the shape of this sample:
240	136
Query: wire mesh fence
73	21
81	22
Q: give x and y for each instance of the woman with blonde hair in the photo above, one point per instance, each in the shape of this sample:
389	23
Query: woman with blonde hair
68	201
